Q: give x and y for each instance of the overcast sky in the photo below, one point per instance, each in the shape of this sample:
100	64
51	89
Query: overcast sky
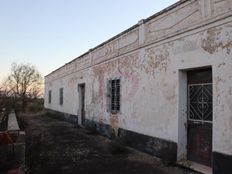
50	33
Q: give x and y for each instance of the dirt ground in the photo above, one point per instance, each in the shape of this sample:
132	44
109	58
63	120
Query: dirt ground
54	146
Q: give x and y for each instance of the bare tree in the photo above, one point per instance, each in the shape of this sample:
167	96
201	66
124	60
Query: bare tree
24	82
5	97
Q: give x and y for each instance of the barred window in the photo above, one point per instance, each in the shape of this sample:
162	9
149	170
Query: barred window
114	95
49	96
61	96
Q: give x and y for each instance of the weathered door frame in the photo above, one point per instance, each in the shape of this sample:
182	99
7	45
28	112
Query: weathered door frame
182	92
200	116
81	91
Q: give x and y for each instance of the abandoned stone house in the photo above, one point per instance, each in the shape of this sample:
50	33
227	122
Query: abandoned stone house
165	85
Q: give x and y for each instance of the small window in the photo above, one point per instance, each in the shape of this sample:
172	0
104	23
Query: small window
49	96
61	96
114	96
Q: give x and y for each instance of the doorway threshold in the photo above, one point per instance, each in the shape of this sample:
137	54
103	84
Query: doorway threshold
196	167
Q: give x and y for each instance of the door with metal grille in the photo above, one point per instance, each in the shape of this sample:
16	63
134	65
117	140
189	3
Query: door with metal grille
200	114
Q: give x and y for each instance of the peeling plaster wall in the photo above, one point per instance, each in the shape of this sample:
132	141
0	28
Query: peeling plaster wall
151	60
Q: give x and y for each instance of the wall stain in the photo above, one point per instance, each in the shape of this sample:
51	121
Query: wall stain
219	82
127	70
98	74
185	46
212	42
221	64
157	59
114	123
101	120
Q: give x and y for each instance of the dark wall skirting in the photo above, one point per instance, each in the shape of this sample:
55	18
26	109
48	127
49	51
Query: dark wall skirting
163	149
104	129
63	116
222	164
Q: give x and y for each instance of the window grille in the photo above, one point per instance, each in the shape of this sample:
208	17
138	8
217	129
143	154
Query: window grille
61	96
200	102
49	96
113	95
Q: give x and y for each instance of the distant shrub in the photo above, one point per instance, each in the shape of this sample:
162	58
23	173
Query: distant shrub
35	106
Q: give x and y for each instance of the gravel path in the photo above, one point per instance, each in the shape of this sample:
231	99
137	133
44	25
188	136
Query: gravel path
54	146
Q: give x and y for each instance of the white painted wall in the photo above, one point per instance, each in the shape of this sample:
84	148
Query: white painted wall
152	60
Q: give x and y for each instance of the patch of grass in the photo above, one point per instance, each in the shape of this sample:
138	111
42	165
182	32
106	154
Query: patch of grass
34	145
118	146
6	158
55	116
91	128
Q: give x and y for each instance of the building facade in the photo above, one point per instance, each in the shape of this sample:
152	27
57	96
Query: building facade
165	84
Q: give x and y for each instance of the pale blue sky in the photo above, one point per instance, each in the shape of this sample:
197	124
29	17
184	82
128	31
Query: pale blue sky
50	33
